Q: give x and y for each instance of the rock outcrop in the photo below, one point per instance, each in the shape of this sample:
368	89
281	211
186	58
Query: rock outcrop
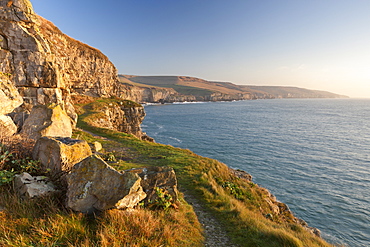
9	96
58	155
9	100
93	186
45	63
147	94
157	177
120	115
47	121
96	147
7	126
47	67
29	187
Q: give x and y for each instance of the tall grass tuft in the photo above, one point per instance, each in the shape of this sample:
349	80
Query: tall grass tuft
44	222
144	227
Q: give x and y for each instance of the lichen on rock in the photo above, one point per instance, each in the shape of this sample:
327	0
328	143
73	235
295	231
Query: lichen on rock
58	155
93	185
47	121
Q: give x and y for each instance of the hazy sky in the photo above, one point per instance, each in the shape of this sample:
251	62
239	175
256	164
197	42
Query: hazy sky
316	44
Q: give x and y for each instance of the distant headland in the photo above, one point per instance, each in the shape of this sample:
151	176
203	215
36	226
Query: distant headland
168	89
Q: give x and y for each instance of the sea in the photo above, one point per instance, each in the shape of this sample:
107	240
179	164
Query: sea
312	154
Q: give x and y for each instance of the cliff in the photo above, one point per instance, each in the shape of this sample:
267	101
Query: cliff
113	113
47	66
280	92
139	92
184	88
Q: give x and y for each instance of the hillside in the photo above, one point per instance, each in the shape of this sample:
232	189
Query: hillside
293	92
204	90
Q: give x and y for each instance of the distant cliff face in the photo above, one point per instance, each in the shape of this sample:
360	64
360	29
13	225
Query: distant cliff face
185	88
159	90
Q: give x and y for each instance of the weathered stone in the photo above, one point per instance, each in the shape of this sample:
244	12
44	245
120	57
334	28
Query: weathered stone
241	174
162	177
274	208
96	146
94	185
7	126
47	121
47	65
314	231
59	154
310	229
19	117
28	186
9	96
120	115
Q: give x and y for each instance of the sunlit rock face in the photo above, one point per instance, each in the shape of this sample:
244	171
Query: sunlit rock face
93	185
46	65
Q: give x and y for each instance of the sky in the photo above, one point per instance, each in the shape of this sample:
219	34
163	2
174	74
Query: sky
315	44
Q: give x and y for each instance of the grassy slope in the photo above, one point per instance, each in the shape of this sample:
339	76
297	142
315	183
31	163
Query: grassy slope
44	222
240	206
241	211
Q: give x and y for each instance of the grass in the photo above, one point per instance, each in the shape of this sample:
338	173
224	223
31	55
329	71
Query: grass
239	205
186	90
45	222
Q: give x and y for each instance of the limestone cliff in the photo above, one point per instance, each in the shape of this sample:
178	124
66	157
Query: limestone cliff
142	93
113	113
47	66
120	116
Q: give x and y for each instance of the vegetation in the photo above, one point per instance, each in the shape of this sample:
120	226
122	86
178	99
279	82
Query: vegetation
163	201
186	90
2	74
239	205
45	222
15	158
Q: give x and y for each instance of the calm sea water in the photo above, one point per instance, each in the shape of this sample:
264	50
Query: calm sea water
312	154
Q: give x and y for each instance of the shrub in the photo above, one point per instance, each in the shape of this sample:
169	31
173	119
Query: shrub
6	177
15	157
164	200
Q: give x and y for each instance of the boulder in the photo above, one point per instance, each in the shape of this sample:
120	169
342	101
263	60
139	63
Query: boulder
7	126
28	186
162	177
47	121
60	154
96	146
9	96
19	117
93	185
274	208
241	174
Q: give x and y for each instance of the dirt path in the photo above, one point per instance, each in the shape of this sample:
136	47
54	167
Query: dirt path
214	233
